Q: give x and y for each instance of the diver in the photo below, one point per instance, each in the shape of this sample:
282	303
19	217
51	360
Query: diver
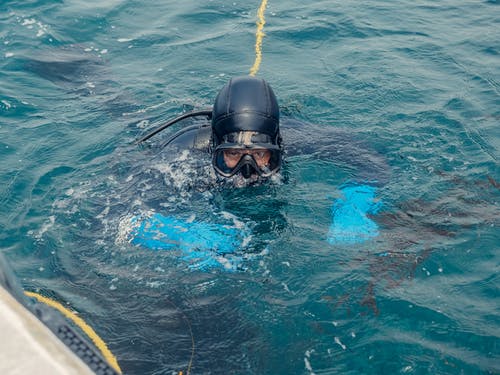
246	147
244	135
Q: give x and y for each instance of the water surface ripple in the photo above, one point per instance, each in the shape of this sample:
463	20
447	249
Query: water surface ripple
407	89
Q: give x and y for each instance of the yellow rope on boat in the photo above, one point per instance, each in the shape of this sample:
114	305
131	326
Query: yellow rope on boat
98	342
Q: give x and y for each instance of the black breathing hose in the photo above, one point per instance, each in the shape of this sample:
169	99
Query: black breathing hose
205	112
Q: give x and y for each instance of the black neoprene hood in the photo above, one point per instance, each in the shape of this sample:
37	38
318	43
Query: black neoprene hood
246	104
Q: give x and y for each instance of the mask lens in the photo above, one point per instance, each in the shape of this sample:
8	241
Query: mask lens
229	160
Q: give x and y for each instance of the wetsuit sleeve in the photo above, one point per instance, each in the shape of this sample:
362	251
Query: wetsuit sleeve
351	222
367	171
203	246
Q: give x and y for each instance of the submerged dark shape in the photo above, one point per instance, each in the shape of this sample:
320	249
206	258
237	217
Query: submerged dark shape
67	67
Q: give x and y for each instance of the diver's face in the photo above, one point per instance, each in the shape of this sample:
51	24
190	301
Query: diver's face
233	156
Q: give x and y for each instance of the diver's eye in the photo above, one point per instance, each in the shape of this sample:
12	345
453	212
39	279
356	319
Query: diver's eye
232	153
261	154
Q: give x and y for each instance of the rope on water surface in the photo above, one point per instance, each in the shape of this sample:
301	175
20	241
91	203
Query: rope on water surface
259	35
190	364
98	342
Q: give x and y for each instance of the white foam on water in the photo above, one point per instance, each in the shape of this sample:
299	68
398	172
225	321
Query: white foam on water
47	225
28	22
246	241
143	124
5	102
338	342
155	284
237	223
126	225
307	362
285	286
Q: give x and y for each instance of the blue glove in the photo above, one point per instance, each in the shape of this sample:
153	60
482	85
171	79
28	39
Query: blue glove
203	245
350	221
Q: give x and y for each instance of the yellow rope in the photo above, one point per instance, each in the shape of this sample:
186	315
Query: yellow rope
259	36
192	347
101	345
190	364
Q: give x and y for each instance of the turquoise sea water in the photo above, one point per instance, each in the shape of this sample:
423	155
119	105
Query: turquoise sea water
415	81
